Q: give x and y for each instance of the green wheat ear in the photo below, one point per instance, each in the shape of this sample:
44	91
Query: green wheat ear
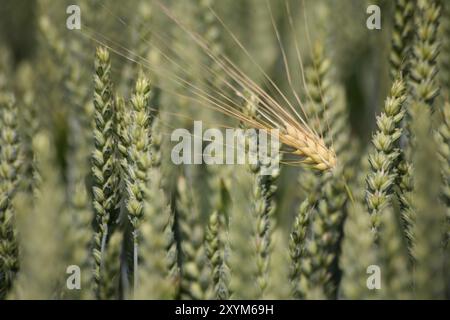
425	51
297	250
216	247
10	163
402	35
159	274
263	207
195	274
385	158
138	162
422	92
103	166
327	194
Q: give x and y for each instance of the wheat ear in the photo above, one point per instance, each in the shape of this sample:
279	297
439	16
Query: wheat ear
394	257
423	90
103	161
384	159
402	35
329	208
138	161
310	147
216	247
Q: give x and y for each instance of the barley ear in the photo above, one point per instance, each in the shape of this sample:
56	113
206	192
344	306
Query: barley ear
263	210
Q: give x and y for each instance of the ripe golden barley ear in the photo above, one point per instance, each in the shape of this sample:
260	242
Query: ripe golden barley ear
310	147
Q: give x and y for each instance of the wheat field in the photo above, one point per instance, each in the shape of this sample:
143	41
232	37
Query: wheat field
94	206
